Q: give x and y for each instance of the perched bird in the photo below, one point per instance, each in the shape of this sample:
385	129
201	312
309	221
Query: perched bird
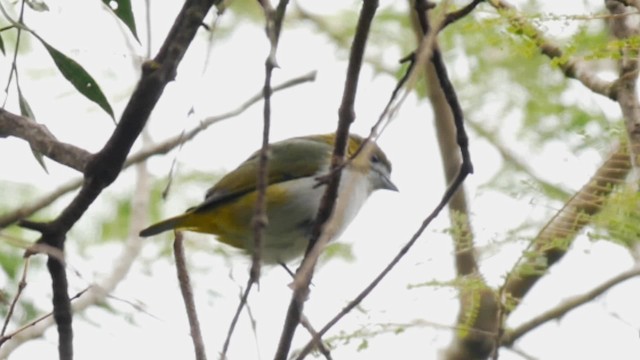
292	196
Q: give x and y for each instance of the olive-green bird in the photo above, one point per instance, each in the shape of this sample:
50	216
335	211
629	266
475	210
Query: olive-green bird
292	196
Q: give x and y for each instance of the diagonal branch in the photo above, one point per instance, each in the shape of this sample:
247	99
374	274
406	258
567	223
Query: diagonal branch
465	169
553	241
346	115
510	337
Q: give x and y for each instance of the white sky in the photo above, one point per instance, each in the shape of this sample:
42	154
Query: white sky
590	332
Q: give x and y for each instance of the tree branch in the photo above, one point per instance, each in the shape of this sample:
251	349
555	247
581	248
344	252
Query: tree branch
510	337
273	19
552	242
446	129
346	116
105	166
61	307
425	47
446	197
40	139
31	208
96	293
187	296
573	68
452	17
626	85
478	303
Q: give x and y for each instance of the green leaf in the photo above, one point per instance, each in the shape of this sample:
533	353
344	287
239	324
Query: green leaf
122	9
37	5
117	224
25	110
78	77
10	263
364	344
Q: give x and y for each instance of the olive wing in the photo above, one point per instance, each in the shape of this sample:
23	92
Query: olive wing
290	159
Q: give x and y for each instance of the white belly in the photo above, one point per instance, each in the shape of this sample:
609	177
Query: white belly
287	235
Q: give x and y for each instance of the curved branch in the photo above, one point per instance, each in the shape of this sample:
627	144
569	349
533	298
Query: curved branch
465	257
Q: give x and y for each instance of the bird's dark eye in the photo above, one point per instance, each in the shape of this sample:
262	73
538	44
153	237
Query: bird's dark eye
375	159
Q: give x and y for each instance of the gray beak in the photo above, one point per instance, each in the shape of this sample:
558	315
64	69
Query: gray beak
387	184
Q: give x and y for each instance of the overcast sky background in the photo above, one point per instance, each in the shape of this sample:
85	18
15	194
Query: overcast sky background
235	72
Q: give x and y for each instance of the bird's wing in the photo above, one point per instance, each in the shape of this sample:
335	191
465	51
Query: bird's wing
290	159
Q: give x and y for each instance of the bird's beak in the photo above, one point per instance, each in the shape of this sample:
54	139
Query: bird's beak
387	184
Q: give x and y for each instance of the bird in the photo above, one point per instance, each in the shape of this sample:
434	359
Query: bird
293	195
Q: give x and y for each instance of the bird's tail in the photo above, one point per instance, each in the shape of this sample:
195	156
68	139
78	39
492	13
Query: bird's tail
175	222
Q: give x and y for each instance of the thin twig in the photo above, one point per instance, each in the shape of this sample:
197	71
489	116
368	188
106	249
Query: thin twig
187	296
365	292
572	67
465	170
554	238
386	114
274	19
510	337
449	92
447	123
452	17
346	116
390	110
32	323
122	263
317	340
236	316
14	63
21	285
